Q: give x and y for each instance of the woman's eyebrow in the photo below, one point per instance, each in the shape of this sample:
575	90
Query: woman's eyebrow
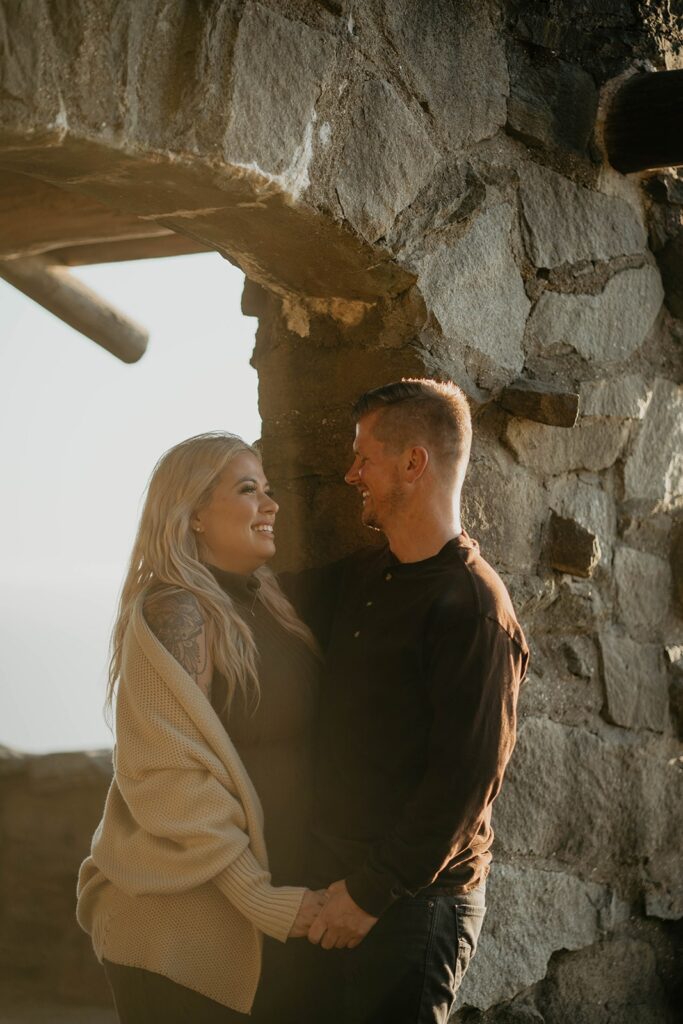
245	480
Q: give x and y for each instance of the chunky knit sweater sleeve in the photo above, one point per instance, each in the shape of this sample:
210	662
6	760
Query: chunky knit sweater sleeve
184	811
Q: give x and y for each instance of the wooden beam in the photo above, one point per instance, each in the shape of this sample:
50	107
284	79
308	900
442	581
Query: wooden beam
117	250
644	122
39	219
58	291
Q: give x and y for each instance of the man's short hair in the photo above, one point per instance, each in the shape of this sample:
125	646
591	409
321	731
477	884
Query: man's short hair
416	411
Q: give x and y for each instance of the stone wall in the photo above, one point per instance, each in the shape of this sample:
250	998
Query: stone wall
419	188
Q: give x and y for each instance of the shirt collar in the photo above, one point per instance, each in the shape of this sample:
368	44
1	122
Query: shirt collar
442	557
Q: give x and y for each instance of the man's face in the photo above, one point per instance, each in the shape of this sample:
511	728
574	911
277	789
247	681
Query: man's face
375	474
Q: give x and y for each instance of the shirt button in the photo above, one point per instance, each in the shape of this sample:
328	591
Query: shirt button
387	577
368	604
356	634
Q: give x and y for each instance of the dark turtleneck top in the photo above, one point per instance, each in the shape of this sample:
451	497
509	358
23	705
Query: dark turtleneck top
274	737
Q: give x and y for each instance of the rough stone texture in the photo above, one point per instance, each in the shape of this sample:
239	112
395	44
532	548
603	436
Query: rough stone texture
586	502
631	975
677	564
593	444
670	261
552	103
476	291
654	467
49	807
272	114
508	520
624	397
537	912
578	608
635	683
442	50
386	158
610	983
637	573
532	400
608	327
594	226
570	547
607	784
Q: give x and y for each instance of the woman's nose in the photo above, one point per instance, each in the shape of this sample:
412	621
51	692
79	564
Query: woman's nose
269	505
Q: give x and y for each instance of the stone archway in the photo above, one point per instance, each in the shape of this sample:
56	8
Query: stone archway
406	194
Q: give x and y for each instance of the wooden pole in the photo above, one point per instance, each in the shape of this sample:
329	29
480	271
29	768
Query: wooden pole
644	122
59	292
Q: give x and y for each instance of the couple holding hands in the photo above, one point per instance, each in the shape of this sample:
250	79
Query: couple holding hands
299	823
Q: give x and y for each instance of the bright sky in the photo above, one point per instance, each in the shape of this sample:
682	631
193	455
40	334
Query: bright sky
80	432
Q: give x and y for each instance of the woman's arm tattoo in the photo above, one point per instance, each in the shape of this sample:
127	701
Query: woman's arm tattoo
177	621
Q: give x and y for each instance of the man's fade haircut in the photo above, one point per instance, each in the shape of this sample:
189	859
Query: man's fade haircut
425	412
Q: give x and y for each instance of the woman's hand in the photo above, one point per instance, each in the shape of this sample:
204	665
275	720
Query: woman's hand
311	905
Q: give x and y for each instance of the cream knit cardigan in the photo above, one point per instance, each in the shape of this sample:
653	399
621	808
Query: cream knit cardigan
177	879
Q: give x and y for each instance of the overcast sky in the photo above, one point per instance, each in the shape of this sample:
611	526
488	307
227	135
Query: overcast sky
80	433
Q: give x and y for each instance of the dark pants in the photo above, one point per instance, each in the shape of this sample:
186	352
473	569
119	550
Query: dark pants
143	997
407	970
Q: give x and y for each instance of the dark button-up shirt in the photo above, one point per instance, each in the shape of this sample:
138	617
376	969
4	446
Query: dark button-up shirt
418	716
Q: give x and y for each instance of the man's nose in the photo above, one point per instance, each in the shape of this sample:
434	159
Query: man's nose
352	476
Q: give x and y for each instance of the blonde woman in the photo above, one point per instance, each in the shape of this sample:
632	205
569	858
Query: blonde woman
215	689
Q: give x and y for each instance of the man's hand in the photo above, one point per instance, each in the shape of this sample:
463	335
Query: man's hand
312	903
341	923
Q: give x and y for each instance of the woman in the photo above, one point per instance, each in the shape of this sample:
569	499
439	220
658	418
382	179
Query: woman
214	712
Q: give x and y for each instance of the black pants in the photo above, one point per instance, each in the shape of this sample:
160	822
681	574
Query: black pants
143	997
407	970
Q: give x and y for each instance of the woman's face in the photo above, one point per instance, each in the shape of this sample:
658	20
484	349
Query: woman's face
234	530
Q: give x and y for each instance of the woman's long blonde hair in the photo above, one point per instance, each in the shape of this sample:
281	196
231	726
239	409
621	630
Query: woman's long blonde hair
165	558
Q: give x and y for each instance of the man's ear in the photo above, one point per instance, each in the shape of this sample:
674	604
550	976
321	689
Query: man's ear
416	463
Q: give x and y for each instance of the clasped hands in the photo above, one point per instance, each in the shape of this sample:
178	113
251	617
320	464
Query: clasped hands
330	918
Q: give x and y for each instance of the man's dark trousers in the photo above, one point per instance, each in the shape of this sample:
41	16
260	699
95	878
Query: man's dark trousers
407	970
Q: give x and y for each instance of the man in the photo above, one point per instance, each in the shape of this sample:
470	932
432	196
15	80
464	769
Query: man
423	660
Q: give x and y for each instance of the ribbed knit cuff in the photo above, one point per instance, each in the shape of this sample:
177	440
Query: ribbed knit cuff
374	893
272	909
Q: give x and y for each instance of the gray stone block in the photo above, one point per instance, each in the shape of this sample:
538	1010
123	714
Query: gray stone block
272	113
665	901
608	327
565	223
567	788
454	58
578	607
386	159
676	559
654	467
670	260
507	521
570	547
533	400
635	683
612	982
587	503
552	103
643	583
623	398
593	444
534	913
475	289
